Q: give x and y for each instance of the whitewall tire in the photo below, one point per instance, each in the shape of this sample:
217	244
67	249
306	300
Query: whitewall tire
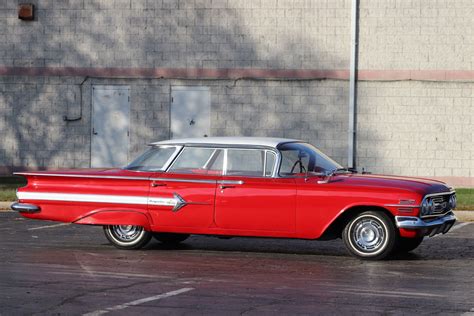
370	235
127	236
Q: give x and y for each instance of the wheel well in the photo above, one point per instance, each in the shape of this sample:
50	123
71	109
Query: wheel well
337	226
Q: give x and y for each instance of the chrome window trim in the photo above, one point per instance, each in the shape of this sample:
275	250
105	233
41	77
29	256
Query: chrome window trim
225	151
172	157
264	163
275	165
206	165
224	164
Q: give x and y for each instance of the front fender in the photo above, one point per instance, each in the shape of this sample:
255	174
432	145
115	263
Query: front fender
339	218
115	217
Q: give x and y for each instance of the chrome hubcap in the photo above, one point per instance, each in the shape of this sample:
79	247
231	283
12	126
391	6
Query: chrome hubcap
126	232
368	235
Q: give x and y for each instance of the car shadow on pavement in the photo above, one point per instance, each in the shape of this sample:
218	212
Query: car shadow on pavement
254	245
442	248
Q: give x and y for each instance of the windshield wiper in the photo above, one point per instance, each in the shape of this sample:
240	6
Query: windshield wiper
351	170
335	171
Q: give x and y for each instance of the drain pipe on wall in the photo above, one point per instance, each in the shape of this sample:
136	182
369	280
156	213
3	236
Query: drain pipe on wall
351	161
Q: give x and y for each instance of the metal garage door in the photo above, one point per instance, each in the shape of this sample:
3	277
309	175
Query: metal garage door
190	111
110	126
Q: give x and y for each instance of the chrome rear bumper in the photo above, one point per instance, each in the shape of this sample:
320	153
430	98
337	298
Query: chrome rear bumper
427	227
25	208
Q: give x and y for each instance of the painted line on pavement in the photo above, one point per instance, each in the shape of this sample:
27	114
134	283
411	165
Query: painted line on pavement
49	226
138	302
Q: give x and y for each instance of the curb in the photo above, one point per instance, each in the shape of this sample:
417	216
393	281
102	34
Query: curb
463	216
5	206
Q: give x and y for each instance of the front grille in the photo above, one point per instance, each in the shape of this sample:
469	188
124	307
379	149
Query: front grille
441	204
437	204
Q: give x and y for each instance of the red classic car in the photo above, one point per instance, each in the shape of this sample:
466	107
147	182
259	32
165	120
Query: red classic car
229	186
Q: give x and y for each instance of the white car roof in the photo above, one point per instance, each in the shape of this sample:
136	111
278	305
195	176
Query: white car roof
238	141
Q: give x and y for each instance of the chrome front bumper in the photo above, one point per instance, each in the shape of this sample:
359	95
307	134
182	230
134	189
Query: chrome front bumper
25	208
427	227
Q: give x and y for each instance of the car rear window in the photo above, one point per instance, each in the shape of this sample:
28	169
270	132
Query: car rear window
154	159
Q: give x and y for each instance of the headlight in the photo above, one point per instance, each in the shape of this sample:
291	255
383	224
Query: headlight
431	206
427	207
452	201
424	208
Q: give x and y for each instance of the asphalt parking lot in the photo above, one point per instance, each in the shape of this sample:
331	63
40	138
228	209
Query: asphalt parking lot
54	269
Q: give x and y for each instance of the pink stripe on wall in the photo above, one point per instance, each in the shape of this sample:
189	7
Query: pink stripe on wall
235	73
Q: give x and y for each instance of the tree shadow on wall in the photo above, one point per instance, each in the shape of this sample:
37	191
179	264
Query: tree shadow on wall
150	34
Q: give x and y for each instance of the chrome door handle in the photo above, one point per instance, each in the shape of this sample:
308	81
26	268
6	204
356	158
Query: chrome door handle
158	184
226	186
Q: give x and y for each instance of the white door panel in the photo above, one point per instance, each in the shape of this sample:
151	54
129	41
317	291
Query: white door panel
110	126
190	111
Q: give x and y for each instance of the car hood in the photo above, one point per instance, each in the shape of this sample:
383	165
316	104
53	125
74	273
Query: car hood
419	185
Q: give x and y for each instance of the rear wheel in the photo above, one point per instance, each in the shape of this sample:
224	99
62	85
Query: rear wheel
170	238
370	235
127	236
407	244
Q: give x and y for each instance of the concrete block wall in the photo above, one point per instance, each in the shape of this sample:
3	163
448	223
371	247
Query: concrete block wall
34	134
283	34
416	128
399	40
407	128
416	35
183	34
314	111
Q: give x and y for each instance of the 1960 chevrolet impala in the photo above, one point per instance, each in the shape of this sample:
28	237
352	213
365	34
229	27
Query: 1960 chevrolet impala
229	186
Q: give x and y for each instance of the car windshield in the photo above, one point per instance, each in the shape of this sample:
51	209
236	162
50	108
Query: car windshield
298	158
154	159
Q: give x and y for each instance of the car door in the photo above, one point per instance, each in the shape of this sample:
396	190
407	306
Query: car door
249	198
184	196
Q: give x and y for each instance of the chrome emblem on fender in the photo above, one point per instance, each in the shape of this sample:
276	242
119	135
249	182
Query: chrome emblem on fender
177	202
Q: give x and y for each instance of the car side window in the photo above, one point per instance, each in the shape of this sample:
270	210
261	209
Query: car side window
249	162
193	160
293	162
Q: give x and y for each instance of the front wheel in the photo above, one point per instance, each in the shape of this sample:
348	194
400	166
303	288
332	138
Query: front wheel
370	235
127	236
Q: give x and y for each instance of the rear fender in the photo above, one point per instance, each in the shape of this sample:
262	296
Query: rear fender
115	217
